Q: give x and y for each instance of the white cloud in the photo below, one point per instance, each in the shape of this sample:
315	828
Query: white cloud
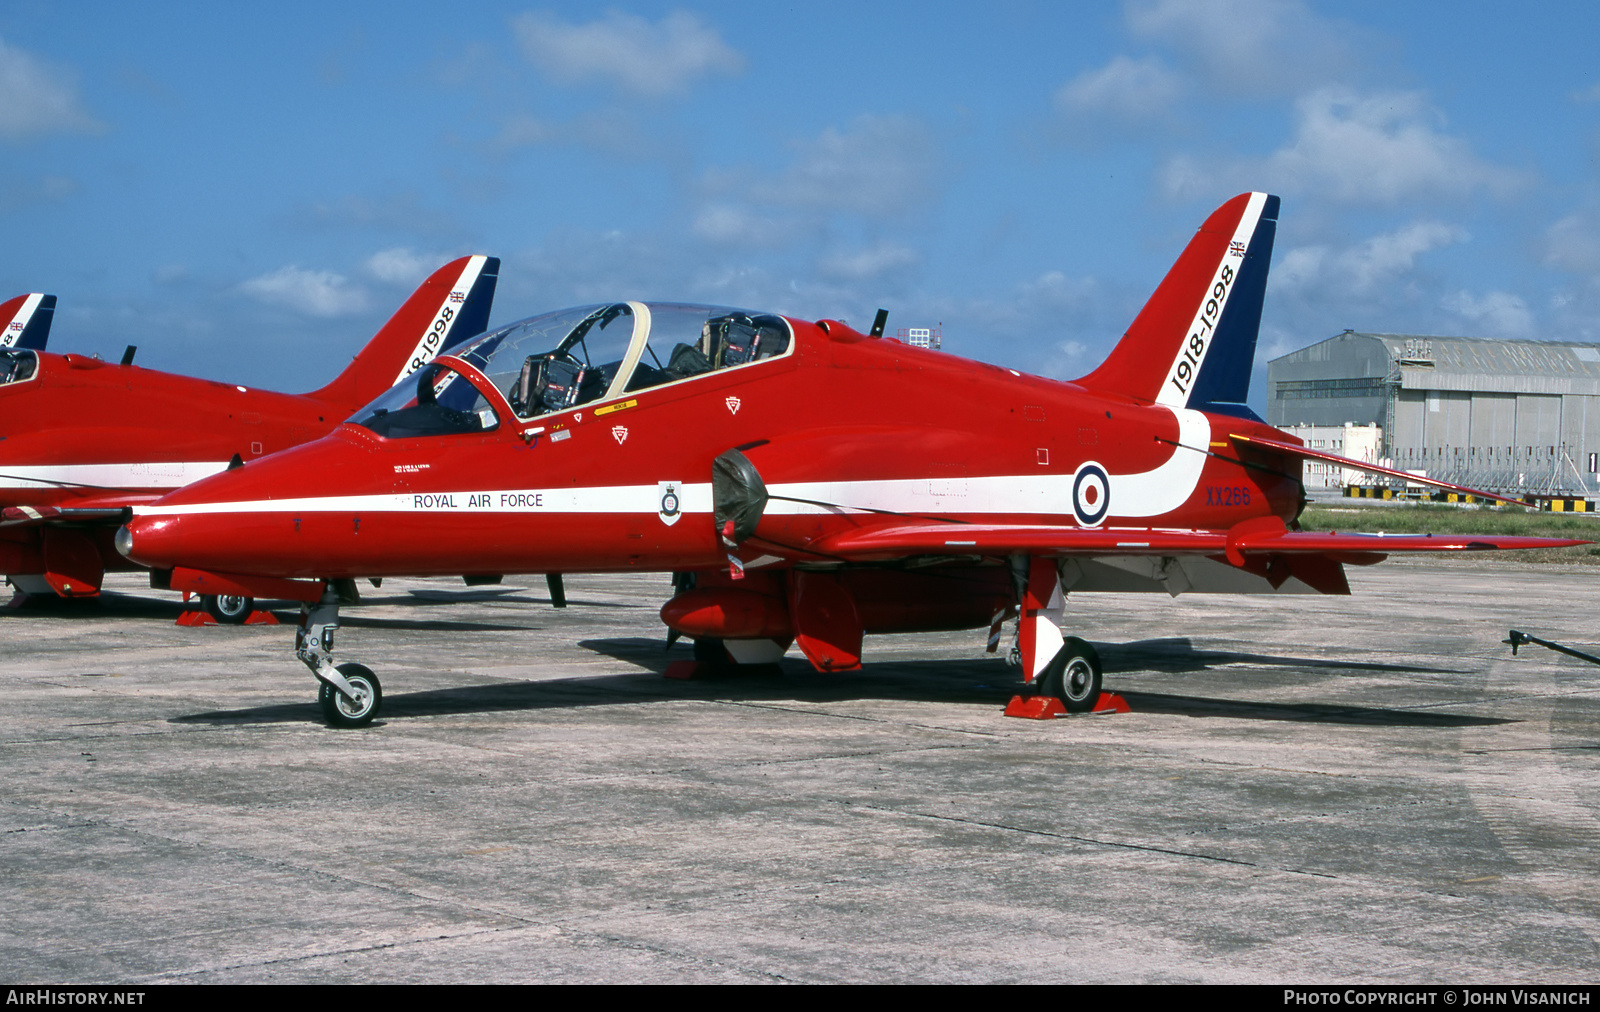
864	264
734	226
880	166
1054	290
1125	88
521	131
38	98
1573	243
17	191
1381	261
1072	351
1247	47
404	212
1589	94
401	265
311	293
1497	314
1379	148
633	54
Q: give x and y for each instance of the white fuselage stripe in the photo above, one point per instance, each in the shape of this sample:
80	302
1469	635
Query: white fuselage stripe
159	474
1149	494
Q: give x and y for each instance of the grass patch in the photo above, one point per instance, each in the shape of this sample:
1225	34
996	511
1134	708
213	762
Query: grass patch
1438	518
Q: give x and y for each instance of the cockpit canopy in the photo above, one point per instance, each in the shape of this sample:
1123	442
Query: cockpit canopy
551	363
17	364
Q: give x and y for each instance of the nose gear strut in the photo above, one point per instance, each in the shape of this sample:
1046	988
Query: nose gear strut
350	693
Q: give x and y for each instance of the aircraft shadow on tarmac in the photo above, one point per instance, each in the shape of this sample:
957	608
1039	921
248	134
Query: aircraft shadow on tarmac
984	681
134	606
1176	654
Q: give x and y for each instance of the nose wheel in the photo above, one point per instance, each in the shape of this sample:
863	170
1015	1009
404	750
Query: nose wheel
349	695
358	709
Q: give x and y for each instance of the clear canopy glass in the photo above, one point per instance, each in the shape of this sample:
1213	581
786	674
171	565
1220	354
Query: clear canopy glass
551	363
17	364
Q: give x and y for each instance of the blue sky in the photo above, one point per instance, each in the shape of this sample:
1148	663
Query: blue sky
246	191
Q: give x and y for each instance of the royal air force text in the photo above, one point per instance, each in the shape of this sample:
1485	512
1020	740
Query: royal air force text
478	500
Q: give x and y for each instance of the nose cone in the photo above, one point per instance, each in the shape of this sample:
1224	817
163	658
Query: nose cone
152	541
253	519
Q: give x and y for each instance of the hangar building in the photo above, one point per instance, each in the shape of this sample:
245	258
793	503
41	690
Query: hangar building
1517	417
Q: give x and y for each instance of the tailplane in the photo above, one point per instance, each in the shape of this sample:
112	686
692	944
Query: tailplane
449	307
1193	344
25	321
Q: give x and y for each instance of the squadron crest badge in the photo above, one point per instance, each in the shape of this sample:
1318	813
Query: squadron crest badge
670	501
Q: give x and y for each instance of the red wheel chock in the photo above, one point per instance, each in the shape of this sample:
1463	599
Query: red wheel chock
1110	702
203	617
1035	707
1049	707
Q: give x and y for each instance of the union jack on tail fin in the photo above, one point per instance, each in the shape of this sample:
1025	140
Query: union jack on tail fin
25	321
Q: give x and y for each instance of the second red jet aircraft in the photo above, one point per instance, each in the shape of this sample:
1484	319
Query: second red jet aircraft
83	440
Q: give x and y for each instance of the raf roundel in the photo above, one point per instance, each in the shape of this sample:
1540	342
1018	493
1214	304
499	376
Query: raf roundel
1091	494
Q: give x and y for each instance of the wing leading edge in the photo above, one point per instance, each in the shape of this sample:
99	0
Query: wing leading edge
897	540
1307	453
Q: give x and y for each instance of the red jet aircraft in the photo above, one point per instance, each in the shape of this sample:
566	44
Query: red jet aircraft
82	440
807	482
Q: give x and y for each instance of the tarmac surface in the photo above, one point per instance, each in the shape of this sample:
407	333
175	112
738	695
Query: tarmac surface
1309	789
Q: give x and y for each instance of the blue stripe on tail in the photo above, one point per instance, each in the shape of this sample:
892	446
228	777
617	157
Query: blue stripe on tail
473	318
37	333
1224	380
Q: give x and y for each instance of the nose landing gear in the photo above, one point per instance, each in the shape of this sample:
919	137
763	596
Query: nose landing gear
350	694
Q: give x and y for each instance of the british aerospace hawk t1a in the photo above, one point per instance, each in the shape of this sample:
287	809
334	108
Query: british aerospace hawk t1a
807	482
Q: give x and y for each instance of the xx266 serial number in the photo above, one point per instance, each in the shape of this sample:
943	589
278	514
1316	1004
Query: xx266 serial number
1227	495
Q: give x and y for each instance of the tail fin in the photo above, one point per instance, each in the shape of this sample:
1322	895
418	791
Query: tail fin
25	321
1194	342
449	307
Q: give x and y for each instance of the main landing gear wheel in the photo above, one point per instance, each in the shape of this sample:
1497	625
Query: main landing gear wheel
1073	676
341	711
228	608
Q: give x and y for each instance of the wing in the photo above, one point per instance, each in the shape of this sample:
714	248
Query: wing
1307	453
101	509
1256	556
897	540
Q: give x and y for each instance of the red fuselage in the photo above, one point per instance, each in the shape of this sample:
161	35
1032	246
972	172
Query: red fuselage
81	433
845	430
80	428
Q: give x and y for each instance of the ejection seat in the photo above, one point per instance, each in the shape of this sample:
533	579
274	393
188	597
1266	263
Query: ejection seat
553	382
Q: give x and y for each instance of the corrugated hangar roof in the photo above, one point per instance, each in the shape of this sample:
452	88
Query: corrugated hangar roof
1475	363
